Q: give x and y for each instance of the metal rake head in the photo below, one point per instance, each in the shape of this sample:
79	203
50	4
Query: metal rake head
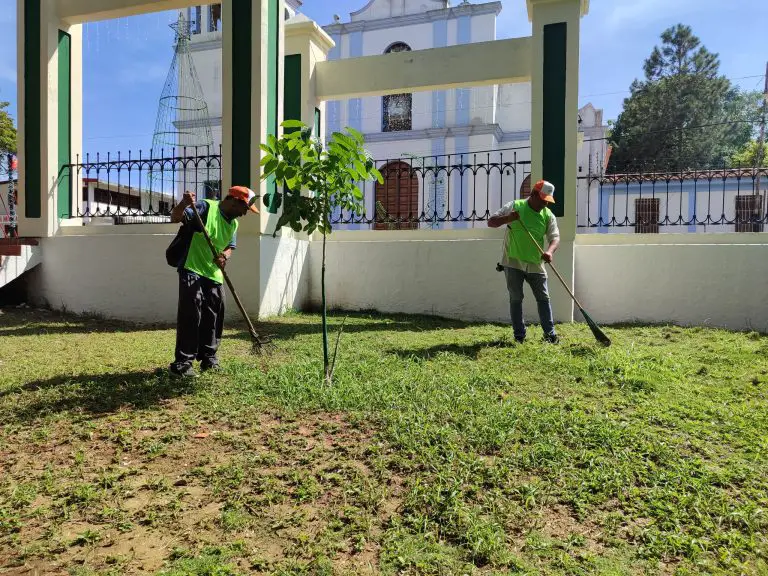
262	343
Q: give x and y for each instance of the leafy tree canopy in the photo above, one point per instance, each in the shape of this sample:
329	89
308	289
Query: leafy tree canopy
684	113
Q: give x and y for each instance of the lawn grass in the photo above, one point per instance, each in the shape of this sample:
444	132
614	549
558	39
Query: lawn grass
441	448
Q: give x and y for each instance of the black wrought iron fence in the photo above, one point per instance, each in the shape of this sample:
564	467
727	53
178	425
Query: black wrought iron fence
143	188
440	191
716	200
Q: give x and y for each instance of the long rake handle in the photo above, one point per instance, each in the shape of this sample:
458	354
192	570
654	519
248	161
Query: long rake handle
541	251
224	272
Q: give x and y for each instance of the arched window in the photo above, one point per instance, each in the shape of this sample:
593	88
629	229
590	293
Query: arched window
397	108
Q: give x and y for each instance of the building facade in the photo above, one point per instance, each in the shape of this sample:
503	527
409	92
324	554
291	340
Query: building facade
449	157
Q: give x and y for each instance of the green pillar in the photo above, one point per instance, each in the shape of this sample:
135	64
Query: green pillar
33	162
64	195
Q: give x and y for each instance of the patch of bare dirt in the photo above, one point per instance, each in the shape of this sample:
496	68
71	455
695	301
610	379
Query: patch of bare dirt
128	491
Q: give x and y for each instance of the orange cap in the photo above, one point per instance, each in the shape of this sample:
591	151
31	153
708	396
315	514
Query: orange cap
246	195
545	190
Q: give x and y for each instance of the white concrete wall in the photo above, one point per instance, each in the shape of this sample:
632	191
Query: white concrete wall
417	36
125	275
208	67
483	28
514	112
120	272
284	274
391	8
702	279
117	276
444	273
709	280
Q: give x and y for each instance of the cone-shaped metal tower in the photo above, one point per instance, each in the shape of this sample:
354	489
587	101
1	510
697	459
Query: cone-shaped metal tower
183	127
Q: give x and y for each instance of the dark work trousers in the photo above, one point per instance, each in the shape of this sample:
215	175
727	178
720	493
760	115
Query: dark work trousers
200	320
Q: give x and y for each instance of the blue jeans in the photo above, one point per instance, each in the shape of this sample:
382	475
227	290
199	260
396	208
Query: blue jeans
538	283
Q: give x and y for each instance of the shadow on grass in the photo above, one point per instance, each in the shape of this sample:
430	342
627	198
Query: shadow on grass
36	322
292	326
91	394
471	351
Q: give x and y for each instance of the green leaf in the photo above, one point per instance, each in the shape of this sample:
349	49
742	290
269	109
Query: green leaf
355	134
270	167
360	169
353	173
345	141
293	124
376	174
280	172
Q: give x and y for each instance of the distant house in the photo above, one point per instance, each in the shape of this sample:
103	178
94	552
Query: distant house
733	200
124	204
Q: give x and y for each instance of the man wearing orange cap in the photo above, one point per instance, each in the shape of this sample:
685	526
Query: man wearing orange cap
522	260
200	319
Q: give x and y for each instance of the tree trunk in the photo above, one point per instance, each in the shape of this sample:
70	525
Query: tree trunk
326	364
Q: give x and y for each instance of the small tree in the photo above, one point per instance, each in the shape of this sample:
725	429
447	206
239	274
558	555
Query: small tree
315	181
684	113
751	156
7	136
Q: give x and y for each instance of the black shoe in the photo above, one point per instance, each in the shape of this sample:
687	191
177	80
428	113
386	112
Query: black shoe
552	338
520	340
209	366
184	371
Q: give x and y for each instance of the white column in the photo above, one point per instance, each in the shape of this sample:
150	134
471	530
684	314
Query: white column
549	18
304	38
44	221
241	159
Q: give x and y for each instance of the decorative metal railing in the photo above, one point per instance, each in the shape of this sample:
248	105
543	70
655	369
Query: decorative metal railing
140	189
725	200
440	191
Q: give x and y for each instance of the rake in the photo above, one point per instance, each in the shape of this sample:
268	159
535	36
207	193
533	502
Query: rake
260	343
600	336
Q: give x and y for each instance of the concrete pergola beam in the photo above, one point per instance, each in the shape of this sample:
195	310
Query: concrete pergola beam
478	64
79	11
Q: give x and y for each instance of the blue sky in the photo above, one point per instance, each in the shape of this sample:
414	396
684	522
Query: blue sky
126	60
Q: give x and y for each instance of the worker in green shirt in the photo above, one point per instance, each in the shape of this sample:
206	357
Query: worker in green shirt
200	319
522	260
